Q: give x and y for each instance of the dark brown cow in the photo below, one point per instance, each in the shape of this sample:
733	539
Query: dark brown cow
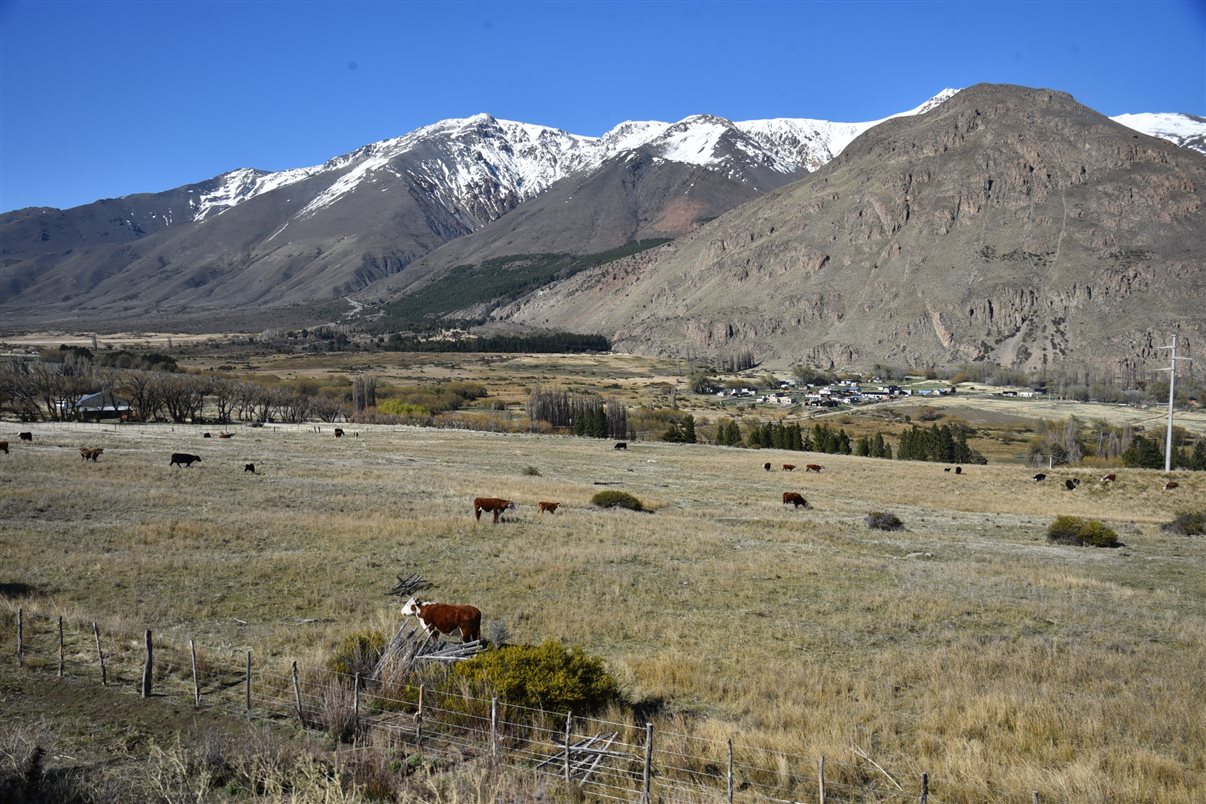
1172	484
495	505
789	467
225	435
25	436
551	507
1110	478
183	459
339	432
621	445
794	498
91	453
250	467
958	470
813	467
207	435
444	618
4	447
766	466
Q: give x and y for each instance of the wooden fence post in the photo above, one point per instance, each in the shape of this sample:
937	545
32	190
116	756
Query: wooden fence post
569	722
356	704
729	776
297	696
494	729
419	719
1034	797
60	647
100	655
648	774
148	668
925	788
821	779
21	636
192	649
248	688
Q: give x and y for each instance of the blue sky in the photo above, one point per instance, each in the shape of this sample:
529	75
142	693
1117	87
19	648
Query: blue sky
102	99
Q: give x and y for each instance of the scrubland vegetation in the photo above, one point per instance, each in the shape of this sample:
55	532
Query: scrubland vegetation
966	645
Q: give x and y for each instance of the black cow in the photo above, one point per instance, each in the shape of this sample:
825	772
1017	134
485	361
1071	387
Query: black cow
1071	485
958	470
1040	477
25	436
621	445
183	459
249	468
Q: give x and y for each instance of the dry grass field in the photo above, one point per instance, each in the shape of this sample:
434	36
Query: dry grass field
964	645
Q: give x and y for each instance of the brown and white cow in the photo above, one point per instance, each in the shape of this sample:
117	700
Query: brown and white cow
444	618
495	505
1110	478
795	498
813	467
551	507
789	467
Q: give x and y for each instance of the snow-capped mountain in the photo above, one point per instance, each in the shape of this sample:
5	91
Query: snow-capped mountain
251	238
1186	130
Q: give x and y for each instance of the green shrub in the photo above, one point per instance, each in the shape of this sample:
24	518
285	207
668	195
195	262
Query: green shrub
545	676
882	520
1187	523
1081	532
617	499
531	471
358	652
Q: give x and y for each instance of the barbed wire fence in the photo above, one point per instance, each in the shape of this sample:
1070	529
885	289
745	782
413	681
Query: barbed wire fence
605	759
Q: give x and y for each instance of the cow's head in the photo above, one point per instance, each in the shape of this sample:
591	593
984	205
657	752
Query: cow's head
510	506
411	607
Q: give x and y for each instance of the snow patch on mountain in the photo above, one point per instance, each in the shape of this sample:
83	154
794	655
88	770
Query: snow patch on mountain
1186	130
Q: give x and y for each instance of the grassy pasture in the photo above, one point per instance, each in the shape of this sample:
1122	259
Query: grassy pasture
965	645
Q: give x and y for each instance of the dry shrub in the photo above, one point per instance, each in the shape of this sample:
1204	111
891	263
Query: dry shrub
882	520
358	653
1081	532
1187	523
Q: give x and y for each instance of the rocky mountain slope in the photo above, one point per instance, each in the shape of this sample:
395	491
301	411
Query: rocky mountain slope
1008	224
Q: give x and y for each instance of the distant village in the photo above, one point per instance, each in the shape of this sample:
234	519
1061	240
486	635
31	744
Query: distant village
846	392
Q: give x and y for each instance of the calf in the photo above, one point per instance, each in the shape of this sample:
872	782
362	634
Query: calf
249	468
444	618
494	505
789	467
551	507
794	498
1110	478
1172	484
621	445
183	459
1040	477
25	436
813	467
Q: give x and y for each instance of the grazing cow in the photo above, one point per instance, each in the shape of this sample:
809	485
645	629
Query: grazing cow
494	505
1172	484
789	467
91	453
4	447
1071	485
444	618
946	469
25	436
813	467
183	459
206	435
1040	477
794	498
958	470
339	432
621	445
249	468
551	507
766	466
1110	478
225	435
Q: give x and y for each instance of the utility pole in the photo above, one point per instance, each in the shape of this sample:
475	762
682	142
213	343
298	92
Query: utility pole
1172	384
